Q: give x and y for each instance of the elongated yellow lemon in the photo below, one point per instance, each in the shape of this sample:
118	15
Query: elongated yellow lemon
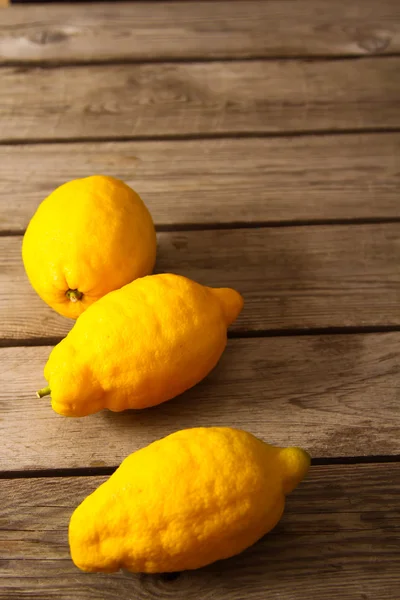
194	497
140	345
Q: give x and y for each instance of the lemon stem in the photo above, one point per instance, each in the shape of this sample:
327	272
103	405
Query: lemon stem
74	295
46	391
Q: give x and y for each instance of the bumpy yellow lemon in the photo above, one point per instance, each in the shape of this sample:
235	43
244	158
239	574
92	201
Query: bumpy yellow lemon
194	497
140	345
89	237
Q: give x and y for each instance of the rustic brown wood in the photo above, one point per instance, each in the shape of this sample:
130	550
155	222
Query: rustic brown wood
339	536
219	181
294	278
334	395
168	30
121	101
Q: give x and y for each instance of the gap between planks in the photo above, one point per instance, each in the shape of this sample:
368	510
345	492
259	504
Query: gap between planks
193	137
233	335
107	471
188	227
190	61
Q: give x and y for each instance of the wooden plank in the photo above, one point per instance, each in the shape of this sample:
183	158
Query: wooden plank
295	278
174	30
219	181
334	395
153	100
339	537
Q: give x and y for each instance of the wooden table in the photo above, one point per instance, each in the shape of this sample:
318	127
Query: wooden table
265	138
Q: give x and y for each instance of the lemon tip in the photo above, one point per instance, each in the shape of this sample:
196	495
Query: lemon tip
297	463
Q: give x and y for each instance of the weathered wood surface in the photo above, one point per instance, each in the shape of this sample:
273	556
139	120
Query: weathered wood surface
122	101
294	278
175	30
227	181
339	536
334	395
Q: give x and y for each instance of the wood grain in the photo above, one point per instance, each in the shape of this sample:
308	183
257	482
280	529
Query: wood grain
339	536
218	181
153	100
334	395
175	30
295	278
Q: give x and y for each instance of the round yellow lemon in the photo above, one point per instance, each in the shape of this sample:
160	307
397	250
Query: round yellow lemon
194	497
89	237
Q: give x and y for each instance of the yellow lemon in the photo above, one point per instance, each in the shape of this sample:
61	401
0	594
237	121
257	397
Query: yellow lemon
89	237
194	497
140	345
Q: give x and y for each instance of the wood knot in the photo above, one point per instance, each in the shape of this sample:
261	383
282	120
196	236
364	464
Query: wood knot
48	37
180	243
374	44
